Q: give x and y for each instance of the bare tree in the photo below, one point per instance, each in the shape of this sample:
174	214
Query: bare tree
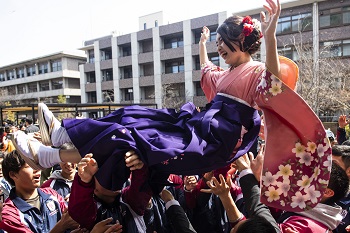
323	81
173	95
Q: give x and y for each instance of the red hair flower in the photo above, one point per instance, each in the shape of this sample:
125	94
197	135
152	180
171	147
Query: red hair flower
247	25
247	20
247	29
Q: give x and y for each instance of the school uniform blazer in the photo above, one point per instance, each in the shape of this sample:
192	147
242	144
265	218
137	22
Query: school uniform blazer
178	219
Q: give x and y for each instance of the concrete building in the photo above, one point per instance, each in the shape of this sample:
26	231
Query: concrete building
42	79
134	68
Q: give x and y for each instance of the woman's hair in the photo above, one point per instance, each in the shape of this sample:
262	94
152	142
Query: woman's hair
12	162
339	183
231	30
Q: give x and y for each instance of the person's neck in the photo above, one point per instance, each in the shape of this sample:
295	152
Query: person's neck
242	61
26	194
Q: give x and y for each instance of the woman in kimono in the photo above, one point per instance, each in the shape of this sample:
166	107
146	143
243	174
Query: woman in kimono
188	142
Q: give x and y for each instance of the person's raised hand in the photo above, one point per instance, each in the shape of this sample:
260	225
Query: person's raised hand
166	195
243	162
87	168
190	182
342	121
133	161
221	188
205	35
256	164
269	24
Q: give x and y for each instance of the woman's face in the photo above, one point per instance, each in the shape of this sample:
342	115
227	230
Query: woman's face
233	58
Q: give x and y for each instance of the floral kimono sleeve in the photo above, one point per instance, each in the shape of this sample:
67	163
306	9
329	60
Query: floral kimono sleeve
210	74
297	152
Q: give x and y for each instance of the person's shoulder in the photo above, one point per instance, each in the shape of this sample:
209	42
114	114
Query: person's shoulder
46	183
50	191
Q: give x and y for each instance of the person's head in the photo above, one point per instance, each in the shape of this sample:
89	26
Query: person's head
331	137
252	225
28	121
108	196
18	173
68	169
338	185
238	38
341	156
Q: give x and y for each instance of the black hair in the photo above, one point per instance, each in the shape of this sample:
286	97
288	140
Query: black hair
256	224
12	162
29	121
231	31
339	183
342	151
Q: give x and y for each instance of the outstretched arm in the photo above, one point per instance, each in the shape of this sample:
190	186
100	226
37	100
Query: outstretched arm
269	25
203	55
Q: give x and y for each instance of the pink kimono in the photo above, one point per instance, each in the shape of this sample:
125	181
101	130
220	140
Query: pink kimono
297	153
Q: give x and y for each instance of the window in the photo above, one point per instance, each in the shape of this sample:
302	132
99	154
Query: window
335	17
126	51
91	54
31	70
20	73
56	65
32	87
90	77
10	75
57	84
106	54
43	68
156	23
294	23
148	92
92	97
126	72
289	52
197	35
21	89
2	77
176	42
107	75
128	94
174	67
144	26
215	60
44	86
199	90
346	47
335	48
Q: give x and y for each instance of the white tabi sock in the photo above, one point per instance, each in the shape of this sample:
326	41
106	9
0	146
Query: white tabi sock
60	137
48	156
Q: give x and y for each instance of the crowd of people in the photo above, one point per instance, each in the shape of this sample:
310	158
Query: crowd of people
219	170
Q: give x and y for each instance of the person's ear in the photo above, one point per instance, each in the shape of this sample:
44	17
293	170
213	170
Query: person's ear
13	175
328	193
348	172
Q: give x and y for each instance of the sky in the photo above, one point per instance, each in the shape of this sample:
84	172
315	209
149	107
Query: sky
35	28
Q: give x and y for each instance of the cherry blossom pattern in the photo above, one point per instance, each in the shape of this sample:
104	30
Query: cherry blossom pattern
269	85
298	181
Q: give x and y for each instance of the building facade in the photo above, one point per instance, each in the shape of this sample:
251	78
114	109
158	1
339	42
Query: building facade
42	79
137	67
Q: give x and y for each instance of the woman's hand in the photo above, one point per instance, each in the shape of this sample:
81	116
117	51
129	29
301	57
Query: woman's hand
268	25
204	35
